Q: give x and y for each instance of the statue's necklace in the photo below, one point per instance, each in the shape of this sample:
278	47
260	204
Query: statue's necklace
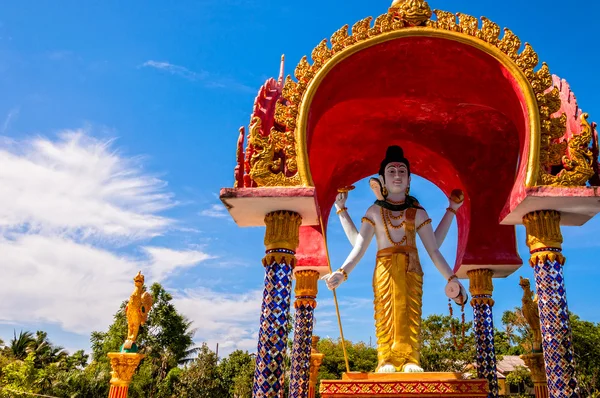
387	231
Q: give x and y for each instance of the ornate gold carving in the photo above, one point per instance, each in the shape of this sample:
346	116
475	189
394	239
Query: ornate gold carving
578	163
306	288
339	40
468	25
531	313
283	229
304	71
490	32
321	54
409	13
265	169
537	367
510	44
445	20
543	229
279	258
414	12
136	310
316	359
123	366
361	29
480	282
290	91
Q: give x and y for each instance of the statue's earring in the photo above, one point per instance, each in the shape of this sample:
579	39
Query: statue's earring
407	190
384	191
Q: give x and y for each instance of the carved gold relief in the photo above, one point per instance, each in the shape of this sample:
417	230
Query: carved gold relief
481	286
123	367
283	230
409	13
414	12
468	25
577	163
265	169
543	230
306	288
490	32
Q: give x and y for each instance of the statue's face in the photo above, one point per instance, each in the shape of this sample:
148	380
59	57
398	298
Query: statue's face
396	177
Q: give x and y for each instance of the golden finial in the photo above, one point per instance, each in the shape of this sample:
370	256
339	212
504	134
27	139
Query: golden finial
413	12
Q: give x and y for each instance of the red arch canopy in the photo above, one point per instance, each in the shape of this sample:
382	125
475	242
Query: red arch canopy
456	111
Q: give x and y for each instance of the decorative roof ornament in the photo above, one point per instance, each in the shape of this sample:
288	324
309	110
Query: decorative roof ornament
413	12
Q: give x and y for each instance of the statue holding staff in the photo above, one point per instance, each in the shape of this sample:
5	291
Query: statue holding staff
395	219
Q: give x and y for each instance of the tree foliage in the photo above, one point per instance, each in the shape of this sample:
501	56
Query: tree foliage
31	364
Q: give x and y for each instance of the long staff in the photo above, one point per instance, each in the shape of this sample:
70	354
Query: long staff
337	308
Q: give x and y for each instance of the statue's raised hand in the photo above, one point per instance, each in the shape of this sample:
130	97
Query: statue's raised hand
340	200
456	199
456	291
334	279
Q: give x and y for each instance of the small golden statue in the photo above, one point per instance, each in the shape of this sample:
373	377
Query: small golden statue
531	314
136	311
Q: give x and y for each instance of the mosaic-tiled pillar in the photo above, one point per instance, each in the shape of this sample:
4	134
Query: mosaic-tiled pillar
316	359
481	287
535	363
281	241
306	295
123	368
545	244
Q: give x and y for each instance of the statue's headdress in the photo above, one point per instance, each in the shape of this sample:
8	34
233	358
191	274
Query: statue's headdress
394	154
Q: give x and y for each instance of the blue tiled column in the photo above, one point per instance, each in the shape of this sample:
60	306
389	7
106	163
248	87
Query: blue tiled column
544	239
305	304
481	288
281	240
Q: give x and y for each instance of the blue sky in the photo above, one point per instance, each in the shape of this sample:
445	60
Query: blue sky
118	126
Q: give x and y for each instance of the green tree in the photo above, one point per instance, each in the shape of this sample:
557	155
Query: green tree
201	378
586	345
518	332
237	372
166	339
18	345
361	358
443	347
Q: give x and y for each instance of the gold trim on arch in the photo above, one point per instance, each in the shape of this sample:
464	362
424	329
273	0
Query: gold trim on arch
526	89
541	102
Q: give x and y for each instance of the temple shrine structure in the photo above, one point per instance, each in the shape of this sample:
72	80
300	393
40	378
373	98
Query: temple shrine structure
474	110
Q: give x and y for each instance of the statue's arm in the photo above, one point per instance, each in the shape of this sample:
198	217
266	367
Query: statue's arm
363	239
428	238
349	227
443	227
347	223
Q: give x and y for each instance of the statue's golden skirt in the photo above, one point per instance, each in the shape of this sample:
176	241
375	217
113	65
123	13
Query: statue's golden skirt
398	292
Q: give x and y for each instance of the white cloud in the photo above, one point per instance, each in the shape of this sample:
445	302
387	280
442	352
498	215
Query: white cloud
56	280
215	211
176	70
69	211
208	79
13	114
78	186
164	260
231	320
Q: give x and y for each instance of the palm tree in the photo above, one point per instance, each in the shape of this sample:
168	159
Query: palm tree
18	345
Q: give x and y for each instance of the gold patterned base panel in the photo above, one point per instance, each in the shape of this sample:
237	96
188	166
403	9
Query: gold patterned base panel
398	385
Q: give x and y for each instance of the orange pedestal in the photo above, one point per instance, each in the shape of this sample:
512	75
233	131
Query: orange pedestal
399	385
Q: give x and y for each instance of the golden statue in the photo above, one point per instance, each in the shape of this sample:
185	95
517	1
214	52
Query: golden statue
136	311
395	220
531	314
